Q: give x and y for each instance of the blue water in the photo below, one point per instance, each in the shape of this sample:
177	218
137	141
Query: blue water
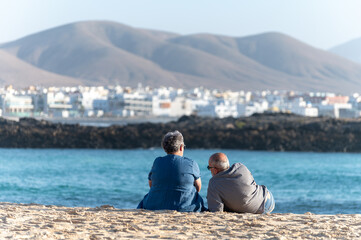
323	183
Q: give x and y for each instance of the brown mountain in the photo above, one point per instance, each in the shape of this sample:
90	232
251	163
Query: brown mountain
350	50
298	59
103	53
14	71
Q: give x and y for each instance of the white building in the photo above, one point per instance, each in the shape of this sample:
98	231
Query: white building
300	107
181	106
219	108
334	110
305	111
252	108
57	104
21	106
161	106
140	104
88	99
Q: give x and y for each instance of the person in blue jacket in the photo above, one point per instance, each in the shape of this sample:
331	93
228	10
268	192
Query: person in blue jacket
174	180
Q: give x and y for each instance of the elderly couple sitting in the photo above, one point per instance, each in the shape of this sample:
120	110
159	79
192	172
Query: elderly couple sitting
175	183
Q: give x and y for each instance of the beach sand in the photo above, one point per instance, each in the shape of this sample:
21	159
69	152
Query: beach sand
32	221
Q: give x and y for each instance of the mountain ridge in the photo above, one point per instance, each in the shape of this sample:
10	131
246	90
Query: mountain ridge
15	70
350	50
109	53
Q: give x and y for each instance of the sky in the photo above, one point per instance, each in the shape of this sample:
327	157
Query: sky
320	23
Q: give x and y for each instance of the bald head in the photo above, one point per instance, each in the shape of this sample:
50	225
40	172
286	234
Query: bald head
220	161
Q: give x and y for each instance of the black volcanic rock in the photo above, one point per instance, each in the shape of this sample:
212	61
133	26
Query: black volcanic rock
269	132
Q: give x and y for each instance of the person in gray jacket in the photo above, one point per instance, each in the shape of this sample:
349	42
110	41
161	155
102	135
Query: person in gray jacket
233	189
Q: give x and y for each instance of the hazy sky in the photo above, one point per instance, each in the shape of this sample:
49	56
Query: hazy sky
321	23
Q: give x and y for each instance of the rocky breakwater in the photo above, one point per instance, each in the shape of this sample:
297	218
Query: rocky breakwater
272	132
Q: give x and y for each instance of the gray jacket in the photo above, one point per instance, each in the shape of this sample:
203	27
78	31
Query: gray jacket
235	190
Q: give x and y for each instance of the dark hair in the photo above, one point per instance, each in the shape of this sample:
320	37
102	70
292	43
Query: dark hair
172	141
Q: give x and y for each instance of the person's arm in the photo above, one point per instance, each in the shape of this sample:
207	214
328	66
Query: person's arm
215	203
150	176
198	184
197	177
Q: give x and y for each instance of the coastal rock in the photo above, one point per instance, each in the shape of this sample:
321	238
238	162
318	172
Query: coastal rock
268	132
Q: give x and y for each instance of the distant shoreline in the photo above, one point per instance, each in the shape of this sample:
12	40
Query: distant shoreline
55	222
103	121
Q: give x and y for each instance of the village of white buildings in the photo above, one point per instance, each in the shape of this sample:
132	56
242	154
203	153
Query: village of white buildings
143	102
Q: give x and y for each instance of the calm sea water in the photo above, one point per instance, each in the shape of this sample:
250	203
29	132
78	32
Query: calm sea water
323	183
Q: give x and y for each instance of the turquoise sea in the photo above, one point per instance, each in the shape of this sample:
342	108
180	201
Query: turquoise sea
323	183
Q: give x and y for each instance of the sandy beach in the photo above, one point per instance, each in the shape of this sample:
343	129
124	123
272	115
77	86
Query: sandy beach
32	221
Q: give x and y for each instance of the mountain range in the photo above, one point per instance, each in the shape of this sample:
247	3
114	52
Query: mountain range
110	53
350	50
